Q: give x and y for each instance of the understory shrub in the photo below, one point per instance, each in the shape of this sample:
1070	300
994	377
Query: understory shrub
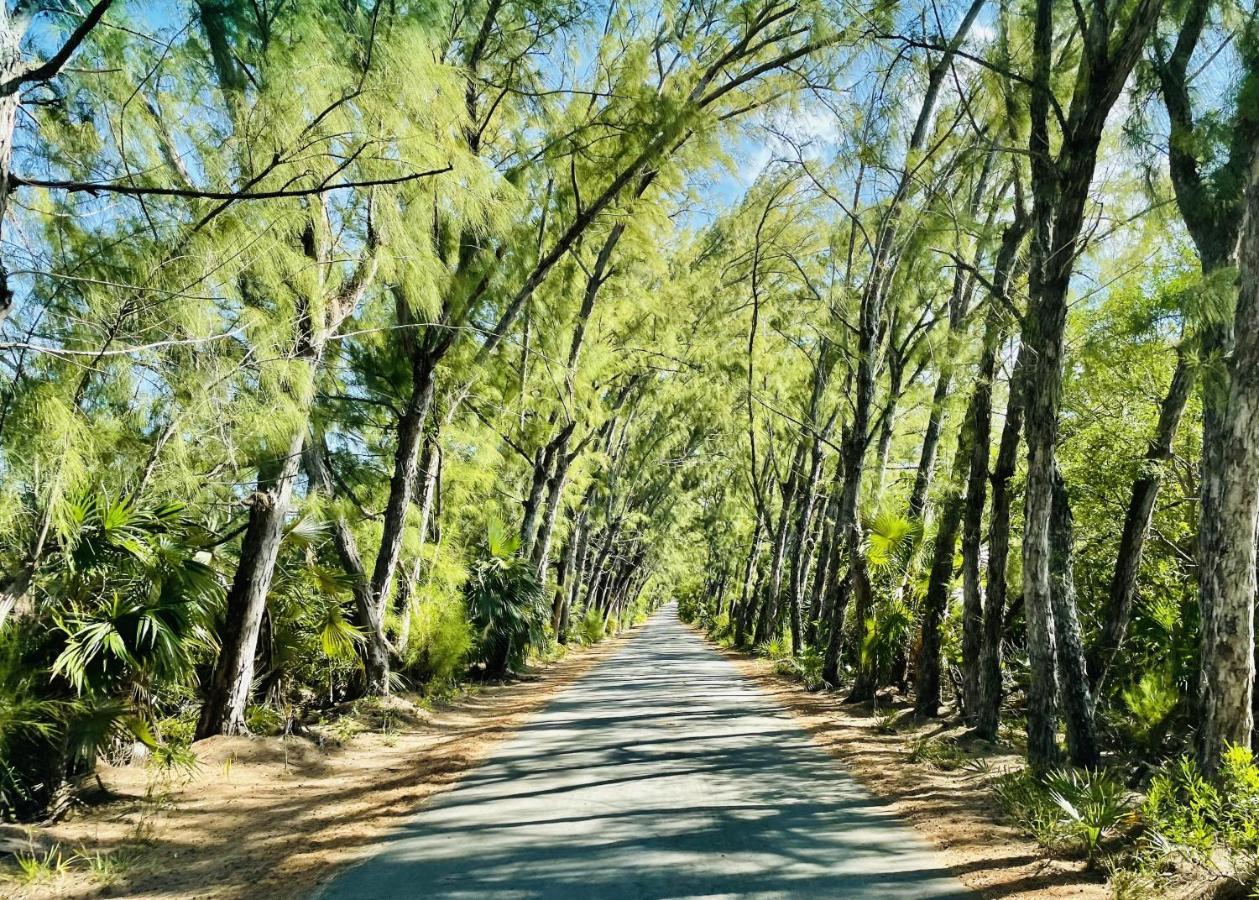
591	629
440	640
805	668
1067	809
506	605
1213	825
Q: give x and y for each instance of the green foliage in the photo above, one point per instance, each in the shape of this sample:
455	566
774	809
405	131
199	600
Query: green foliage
1212	824
1067	808
591	629
440	640
1095	805
1026	800
805	668
1149	702
943	754
506	606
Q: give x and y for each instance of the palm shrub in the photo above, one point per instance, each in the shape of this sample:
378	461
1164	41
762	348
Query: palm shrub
1095	805
505	602
135	595
123	605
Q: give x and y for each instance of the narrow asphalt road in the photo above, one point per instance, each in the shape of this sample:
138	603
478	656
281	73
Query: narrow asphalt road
660	773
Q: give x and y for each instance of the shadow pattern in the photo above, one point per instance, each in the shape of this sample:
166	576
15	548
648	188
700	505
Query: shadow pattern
660	774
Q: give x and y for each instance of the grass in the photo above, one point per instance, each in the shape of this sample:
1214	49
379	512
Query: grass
944	755
35	867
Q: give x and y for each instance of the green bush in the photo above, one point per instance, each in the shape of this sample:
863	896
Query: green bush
1027	801
440	641
1067	808
1094	805
805	668
506	605
591	629
1211	824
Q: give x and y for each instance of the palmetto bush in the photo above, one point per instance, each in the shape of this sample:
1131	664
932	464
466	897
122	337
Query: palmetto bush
122	609
505	603
135	595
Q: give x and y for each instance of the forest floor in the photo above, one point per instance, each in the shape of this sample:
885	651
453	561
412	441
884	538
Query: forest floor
946	799
276	817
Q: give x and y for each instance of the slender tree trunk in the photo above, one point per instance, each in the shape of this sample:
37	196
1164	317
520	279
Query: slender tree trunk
849	519
1136	526
801	556
927	686
770	618
10	66
979	422
988	716
887	426
835	607
560	462
1077	701
430	465
533	500
820	574
375	648
410	437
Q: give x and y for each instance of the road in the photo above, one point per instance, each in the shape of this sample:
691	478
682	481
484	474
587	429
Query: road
661	773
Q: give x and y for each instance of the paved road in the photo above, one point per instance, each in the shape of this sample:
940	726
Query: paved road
661	773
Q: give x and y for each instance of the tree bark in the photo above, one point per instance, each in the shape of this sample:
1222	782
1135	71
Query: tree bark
1077	701
1136	526
1227	547
232	679
988	715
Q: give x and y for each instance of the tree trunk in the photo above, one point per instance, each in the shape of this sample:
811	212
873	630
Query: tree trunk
820	574
430	465
801	557
1077	701
769	621
230	683
560	462
533	500
374	649
979	422
927	687
410	437
1136	526
10	65
1227	539
988	716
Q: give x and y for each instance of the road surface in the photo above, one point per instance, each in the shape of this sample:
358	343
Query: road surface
661	773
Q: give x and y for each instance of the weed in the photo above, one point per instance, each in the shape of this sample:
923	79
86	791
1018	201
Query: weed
106	868
944	755
174	761
34	867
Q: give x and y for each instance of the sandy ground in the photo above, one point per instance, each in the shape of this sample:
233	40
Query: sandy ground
953	809
275	818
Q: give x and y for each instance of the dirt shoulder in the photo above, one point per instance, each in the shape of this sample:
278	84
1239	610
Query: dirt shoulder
952	809
272	817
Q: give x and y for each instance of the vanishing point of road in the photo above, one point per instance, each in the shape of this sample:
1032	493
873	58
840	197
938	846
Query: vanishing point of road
660	773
